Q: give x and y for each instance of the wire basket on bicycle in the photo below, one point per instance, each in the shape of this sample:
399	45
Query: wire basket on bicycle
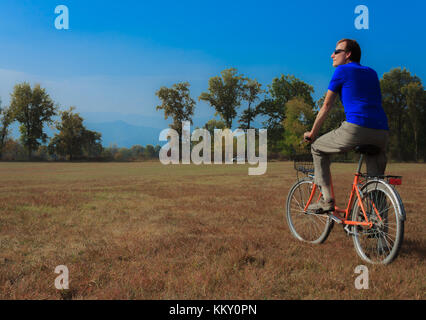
303	162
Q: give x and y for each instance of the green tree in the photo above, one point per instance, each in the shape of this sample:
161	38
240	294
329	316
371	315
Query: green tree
157	149
137	152
225	94
334	118
176	103
123	154
73	139
6	118
109	153
416	112
42	153
281	91
92	144
395	105
251	91
214	124
13	150
299	118
32	108
210	126
150	151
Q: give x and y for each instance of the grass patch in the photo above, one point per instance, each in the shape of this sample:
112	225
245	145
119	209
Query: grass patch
148	231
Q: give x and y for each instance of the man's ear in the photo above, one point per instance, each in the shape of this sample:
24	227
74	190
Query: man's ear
348	55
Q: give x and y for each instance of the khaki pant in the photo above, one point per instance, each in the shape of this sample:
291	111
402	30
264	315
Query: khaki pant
344	139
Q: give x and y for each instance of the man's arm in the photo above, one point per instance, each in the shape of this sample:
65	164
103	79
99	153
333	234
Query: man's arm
330	97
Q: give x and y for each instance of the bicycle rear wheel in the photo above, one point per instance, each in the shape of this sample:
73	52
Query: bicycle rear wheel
379	244
308	227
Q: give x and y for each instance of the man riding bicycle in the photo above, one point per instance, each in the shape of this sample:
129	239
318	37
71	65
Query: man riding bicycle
366	121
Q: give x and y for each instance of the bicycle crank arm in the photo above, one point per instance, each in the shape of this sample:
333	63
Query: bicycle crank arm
335	219
348	231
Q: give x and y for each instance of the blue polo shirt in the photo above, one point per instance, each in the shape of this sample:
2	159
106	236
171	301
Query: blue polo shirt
359	90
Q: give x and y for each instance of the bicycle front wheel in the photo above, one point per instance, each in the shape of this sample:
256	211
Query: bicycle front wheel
380	243
308	227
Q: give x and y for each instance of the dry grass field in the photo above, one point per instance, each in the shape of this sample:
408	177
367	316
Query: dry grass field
149	231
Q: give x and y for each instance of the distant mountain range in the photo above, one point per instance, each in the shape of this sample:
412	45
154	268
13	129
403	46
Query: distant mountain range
125	135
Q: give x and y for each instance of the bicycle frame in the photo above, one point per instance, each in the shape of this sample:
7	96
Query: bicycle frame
355	193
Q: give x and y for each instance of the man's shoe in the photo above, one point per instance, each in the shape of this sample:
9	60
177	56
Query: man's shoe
321	206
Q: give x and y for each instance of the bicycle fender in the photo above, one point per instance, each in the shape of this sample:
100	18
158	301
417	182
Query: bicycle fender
400	208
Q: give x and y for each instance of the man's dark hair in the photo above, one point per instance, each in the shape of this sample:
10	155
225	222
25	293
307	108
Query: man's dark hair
353	47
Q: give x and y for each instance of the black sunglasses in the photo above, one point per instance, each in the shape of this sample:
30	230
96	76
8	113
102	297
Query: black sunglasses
336	52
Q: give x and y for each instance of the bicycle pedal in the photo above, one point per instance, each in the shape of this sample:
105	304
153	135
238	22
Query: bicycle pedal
320	212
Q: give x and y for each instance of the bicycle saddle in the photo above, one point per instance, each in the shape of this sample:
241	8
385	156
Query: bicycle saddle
369	149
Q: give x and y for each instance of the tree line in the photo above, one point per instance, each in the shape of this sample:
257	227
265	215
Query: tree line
288	109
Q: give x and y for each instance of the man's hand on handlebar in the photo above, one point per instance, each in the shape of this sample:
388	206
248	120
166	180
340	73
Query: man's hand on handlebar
308	137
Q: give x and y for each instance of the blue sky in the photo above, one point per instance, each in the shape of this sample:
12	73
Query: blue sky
116	54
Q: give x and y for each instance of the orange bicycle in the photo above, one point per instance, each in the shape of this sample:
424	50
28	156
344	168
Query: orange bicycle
374	215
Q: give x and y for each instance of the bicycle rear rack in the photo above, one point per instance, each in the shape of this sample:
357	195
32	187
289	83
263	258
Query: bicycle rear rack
392	180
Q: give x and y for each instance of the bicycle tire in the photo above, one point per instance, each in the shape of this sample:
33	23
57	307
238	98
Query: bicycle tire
381	243
307	227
